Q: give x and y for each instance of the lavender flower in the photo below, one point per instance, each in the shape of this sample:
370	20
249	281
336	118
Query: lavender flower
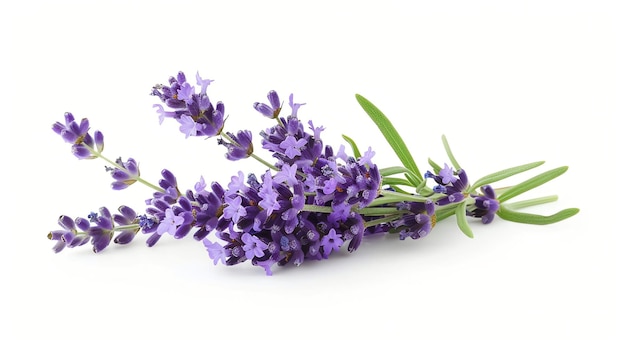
98	228
239	146
127	218
453	184
294	106
216	252
268	194
234	210
308	204
418	220
253	246
271	111
125	174
101	231
194	111
69	235
485	206
84	145
331	242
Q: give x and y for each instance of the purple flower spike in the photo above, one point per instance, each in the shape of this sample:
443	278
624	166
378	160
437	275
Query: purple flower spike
264	109
82	152
99	140
169	177
453	184
62	236
272	96
418	220
450	199
101	231
194	111
271	111
83	145
240	146
311	201
126	217
72	132
126	175
485	206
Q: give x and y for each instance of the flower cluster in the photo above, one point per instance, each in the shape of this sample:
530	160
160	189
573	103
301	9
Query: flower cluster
310	202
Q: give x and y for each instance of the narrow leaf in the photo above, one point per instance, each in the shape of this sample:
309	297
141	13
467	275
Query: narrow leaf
446	146
355	149
420	186
399	190
461	219
531	202
395	181
387	171
505	173
531	183
436	168
391	134
415	181
531	218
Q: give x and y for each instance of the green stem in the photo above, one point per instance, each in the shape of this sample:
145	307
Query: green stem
394	196
315	208
379	211
126	227
383	220
368	211
118	228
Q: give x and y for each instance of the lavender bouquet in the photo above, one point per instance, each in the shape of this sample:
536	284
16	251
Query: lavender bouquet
311	201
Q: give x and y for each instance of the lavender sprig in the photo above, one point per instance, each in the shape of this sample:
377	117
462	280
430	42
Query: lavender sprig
86	146
311	200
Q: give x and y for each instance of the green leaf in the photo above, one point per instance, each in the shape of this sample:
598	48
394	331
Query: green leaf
420	186
396	181
355	149
413	179
391	134
505	173
387	171
531	202
400	190
461	220
531	218
436	168
531	183
446	146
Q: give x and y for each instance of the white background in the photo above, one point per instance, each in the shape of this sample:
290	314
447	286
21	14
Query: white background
507	83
